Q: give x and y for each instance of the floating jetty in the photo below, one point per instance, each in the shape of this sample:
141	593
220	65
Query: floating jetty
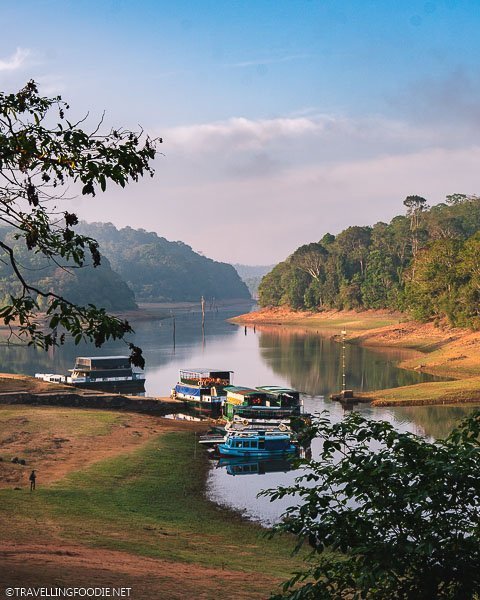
347	397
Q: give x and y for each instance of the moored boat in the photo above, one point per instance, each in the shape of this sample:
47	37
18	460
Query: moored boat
104	373
202	387
257	443
264	407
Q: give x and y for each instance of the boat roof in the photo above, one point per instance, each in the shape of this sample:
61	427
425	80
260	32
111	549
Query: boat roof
258	433
275	389
204	370
244	391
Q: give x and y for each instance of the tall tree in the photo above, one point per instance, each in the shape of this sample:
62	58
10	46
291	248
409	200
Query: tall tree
416	205
41	152
353	244
310	258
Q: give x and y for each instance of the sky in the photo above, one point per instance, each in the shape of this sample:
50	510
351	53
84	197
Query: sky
281	119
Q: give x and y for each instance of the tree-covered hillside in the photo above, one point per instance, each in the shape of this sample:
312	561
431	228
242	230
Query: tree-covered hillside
158	270
252	275
426	262
100	286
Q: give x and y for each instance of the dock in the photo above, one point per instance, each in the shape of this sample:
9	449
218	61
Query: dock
346	397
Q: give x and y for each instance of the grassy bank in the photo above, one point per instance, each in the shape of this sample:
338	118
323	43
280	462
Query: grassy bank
438	350
463	391
331	320
148	502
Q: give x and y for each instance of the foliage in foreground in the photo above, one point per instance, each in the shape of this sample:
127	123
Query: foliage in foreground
388	514
41	152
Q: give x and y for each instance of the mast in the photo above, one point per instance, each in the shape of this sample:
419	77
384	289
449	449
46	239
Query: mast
344	333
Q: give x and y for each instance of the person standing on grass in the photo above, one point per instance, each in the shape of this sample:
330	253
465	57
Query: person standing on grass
32	479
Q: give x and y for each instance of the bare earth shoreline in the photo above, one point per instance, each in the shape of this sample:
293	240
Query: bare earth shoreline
440	350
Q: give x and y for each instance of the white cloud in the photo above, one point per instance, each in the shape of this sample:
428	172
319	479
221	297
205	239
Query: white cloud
15	61
252	190
240	133
267	61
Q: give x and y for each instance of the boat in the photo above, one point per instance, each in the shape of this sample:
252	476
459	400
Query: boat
257	443
105	373
266	406
202	387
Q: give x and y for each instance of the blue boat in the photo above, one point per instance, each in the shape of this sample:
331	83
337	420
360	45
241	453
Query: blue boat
256	443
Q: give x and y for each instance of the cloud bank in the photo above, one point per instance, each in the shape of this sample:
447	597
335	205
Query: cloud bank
252	190
15	61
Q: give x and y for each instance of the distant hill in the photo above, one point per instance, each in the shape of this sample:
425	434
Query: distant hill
158	270
252	275
100	286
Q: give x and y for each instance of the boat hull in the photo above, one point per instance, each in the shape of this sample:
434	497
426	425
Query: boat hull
226	450
120	387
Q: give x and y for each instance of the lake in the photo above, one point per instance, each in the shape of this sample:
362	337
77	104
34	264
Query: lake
275	355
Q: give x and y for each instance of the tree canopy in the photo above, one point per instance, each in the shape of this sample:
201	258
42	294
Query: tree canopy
41	153
159	270
423	262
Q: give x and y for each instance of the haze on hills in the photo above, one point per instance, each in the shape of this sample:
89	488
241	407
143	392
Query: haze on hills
158	270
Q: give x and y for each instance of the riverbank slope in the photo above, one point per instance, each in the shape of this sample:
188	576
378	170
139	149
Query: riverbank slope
440	350
120	502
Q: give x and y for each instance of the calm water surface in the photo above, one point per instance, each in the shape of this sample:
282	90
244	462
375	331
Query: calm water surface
271	356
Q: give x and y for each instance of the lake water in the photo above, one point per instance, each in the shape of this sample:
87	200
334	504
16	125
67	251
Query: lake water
271	356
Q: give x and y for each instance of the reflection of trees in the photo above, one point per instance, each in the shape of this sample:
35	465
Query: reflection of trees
312	363
154	336
434	421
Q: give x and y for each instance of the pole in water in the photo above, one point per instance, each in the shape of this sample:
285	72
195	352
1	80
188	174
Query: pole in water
203	312
174	332
344	333
245	330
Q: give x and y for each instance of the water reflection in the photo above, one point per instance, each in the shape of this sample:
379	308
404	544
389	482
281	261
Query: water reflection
154	336
255	466
311	362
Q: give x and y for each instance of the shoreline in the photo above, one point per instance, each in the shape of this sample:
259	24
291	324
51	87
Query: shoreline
446	352
26	390
121	496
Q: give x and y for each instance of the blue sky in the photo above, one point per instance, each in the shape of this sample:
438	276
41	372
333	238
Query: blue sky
282	119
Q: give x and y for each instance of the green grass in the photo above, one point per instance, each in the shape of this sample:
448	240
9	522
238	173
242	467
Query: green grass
434	392
60	421
151	503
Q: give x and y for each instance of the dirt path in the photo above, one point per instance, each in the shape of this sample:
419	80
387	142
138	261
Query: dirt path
74	565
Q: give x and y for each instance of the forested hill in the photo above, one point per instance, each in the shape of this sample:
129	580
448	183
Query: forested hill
252	276
426	261
161	271
100	286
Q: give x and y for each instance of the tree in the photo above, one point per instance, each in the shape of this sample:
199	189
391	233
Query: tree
433	281
310	258
353	245
416	205
387	514
41	152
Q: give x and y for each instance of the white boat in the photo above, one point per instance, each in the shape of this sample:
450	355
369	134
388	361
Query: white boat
106	373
